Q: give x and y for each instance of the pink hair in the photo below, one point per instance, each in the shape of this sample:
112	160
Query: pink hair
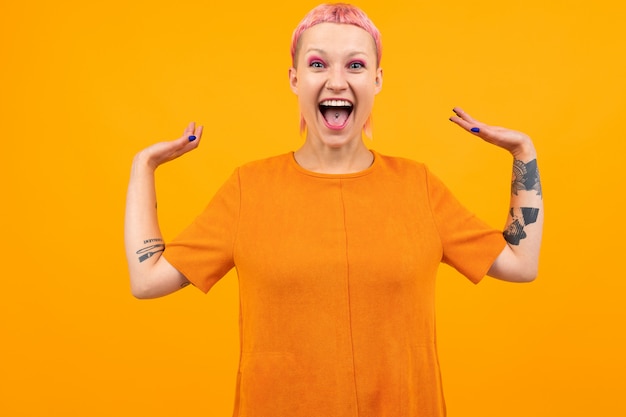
336	13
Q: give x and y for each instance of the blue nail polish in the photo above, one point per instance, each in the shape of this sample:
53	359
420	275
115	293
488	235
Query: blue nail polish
192	138
475	129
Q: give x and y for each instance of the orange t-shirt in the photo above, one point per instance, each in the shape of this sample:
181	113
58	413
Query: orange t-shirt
337	283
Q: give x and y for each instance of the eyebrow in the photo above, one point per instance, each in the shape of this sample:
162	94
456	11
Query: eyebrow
323	52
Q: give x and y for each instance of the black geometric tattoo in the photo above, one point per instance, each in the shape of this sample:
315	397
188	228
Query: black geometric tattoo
525	177
522	217
148	251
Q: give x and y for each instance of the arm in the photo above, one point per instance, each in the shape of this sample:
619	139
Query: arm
519	261
150	274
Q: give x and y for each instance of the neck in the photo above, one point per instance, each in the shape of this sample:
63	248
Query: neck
345	159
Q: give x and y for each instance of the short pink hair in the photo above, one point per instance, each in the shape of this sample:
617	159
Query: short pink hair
336	13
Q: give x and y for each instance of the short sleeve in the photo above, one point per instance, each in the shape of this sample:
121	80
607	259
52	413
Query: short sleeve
203	252
469	244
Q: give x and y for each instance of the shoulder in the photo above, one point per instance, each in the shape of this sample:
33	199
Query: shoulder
413	174
269	164
401	166
265	172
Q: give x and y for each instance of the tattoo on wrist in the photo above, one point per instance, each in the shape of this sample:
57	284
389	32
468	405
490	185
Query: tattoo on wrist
525	177
148	251
521	217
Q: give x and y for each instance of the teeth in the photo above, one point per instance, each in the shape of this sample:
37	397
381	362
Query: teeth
336	103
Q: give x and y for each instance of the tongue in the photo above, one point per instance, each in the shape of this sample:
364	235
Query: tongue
336	116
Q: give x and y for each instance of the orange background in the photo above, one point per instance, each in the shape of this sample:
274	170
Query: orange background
85	85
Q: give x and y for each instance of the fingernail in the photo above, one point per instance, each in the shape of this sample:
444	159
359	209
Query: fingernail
475	129
192	138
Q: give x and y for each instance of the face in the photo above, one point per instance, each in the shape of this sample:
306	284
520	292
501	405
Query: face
335	79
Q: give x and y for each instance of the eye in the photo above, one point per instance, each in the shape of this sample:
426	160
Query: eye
316	63
356	65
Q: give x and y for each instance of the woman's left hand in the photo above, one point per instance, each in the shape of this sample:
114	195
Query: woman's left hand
517	143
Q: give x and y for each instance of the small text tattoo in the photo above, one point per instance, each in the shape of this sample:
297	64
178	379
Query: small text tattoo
521	217
145	242
148	251
525	177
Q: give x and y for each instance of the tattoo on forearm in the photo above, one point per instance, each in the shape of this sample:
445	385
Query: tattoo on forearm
158	239
521	217
525	177
148	251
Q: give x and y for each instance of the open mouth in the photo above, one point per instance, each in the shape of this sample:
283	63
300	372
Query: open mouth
336	112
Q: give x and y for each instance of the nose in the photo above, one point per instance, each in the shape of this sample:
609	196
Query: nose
336	80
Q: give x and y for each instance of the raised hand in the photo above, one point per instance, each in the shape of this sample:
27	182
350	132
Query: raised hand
519	260
163	152
150	274
517	143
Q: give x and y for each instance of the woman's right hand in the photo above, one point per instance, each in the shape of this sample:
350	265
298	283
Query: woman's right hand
163	152
152	276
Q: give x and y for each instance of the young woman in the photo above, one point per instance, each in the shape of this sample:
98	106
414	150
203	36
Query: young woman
336	246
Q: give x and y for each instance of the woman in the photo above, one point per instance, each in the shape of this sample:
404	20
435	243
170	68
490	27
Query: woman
336	246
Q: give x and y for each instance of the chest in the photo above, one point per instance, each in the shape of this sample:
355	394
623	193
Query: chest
320	230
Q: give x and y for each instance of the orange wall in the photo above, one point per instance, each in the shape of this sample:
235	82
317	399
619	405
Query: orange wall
87	84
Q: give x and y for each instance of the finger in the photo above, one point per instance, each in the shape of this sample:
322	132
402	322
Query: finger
198	131
463	115
189	129
193	139
187	141
470	127
465	121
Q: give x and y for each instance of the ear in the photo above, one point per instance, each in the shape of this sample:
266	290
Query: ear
293	80
379	80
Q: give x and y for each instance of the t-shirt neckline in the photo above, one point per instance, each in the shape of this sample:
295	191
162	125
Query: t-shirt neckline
356	174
